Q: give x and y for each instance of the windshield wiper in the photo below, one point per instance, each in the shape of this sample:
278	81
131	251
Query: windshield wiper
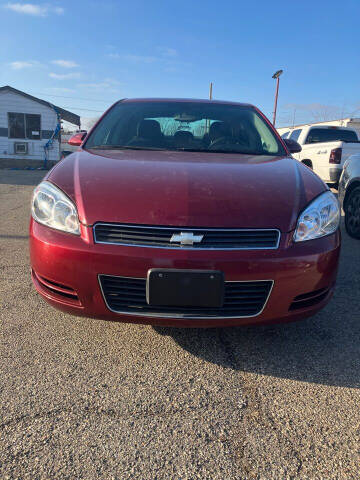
181	149
237	151
184	149
123	147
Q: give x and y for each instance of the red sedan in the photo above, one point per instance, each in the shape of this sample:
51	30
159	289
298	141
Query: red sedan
186	213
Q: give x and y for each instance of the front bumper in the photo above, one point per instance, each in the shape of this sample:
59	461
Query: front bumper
335	174
72	264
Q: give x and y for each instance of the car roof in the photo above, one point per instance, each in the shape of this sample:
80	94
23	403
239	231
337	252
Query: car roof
324	127
184	100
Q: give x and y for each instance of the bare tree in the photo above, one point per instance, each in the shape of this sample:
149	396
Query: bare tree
310	112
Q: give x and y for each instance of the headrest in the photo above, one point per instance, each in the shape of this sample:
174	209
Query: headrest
183	136
149	129
218	130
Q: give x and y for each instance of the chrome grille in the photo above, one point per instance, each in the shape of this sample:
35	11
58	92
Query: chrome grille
128	295
212	238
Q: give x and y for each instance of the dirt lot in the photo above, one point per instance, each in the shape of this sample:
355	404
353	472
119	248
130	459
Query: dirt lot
88	399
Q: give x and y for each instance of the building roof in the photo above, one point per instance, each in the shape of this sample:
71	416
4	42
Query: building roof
347	119
64	114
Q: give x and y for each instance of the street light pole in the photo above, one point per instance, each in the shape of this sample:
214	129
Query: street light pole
277	76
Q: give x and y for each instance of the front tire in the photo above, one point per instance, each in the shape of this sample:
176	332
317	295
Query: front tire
352	213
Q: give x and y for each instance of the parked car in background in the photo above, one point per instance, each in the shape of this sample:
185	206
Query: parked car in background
349	195
186	213
67	148
325	148
65	153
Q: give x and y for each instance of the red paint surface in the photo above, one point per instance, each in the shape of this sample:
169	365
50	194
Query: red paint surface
184	189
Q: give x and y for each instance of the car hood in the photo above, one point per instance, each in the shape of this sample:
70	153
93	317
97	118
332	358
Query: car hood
186	188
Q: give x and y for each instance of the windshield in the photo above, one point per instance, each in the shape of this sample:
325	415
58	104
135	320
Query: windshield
318	135
192	126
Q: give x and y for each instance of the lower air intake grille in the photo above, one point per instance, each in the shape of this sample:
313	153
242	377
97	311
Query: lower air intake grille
55	289
309	299
207	238
128	295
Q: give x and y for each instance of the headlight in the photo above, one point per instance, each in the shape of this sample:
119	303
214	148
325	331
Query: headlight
320	218
51	207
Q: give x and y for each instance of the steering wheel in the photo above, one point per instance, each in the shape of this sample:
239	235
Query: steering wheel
229	141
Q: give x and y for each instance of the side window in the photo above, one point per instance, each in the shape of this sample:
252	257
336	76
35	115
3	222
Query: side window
295	134
24	125
33	126
16	125
316	135
331	134
285	134
268	140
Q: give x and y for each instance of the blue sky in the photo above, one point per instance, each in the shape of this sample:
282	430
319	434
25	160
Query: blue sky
84	55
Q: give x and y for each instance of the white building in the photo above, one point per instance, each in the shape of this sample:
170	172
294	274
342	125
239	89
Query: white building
342	122
30	129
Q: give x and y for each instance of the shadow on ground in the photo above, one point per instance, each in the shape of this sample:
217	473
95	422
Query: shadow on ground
324	349
308	351
21	177
15	237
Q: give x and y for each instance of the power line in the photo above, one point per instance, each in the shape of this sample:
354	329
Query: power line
83	109
75	98
78	98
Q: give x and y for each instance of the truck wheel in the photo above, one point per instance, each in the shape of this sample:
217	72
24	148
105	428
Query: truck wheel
352	213
308	163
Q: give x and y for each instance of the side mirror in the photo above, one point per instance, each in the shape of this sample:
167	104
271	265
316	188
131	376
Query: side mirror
294	147
77	139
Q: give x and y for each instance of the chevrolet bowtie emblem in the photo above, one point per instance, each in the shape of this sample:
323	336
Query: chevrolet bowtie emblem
186	238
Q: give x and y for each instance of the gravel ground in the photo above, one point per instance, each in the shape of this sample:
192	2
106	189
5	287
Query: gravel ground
88	399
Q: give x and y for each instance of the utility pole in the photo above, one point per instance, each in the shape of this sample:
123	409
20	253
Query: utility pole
207	122
277	77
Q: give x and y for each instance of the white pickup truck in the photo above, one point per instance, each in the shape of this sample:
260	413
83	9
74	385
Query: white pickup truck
325	148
